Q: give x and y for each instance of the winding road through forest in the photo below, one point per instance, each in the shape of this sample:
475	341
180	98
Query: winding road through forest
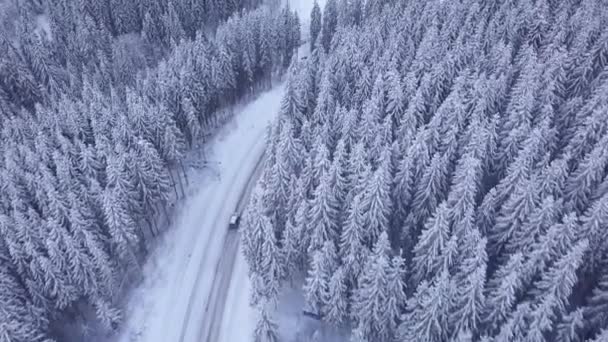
216	303
187	280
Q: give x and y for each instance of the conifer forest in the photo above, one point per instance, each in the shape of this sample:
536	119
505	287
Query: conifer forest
437	170
99	101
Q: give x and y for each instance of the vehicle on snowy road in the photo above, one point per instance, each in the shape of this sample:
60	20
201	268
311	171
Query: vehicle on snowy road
234	221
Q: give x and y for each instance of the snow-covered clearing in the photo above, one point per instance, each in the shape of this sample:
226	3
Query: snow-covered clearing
169	305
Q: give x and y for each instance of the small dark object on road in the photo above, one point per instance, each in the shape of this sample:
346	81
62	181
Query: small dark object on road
234	221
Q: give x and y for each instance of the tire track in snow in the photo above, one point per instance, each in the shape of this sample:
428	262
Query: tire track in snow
214	311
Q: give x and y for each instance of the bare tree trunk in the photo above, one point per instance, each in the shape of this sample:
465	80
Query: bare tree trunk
150	227
174	184
184	172
181	186
141	231
164	206
151	220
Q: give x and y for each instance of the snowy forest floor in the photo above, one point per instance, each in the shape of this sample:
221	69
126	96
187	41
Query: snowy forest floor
295	327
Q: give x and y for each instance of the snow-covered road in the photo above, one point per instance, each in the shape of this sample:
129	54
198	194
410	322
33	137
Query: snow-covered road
216	305
170	305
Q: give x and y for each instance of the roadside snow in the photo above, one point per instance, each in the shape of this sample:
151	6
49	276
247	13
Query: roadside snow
169	304
239	318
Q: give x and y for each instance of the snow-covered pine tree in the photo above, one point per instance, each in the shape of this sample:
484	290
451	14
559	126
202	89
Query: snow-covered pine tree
513	214
588	175
396	295
336	311
555	243
254	225
330	22
502	290
324	263
324	214
321	160
341	174
353	250
376	200
463	193
120	224
431	189
266	329
470	284
315	24
516	326
431	244
553	291
173	25
402	190
544	216
371	297
428	310
570	326
272	267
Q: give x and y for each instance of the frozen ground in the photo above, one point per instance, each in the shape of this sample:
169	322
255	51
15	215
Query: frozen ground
295	327
169	305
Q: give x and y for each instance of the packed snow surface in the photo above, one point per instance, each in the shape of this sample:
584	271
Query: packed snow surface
170	303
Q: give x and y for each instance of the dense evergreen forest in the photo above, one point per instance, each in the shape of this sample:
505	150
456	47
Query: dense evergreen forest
99	101
439	172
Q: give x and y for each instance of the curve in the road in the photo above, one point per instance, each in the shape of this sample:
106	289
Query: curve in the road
169	305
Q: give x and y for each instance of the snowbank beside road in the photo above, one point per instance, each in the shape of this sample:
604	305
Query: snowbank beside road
239	318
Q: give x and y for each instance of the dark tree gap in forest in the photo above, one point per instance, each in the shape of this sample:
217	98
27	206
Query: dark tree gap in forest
99	102
439	172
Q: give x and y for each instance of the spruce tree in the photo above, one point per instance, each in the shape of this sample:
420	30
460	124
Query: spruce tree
427	312
315	24
470	282
266	329
353	249
330	22
431	244
323	214
370	298
337	300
